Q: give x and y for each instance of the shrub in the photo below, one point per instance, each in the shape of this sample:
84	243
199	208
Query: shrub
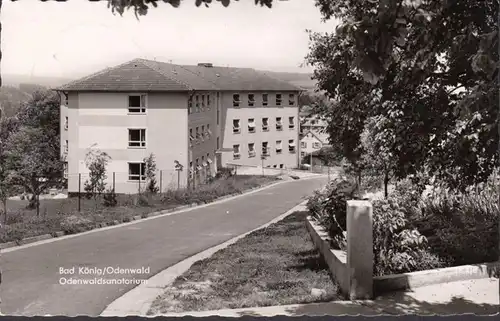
109	198
75	224
462	227
397	247
329	207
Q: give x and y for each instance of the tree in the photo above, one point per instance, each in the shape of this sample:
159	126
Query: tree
151	174
141	7
376	157
428	68
8	125
36	162
96	161
33	151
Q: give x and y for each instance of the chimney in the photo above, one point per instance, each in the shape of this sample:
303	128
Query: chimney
205	64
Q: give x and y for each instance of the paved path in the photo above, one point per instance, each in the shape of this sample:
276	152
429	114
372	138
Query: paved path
480	296
31	285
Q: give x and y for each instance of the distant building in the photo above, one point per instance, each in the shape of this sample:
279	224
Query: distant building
313	135
202	117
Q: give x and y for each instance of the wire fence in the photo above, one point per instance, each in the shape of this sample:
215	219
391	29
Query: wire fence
75	194
139	182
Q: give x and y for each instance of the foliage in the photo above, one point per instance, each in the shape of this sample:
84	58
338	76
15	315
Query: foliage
151	186
141	7
34	149
96	162
224	172
398	248
329	207
8	125
408	62
462	228
109	198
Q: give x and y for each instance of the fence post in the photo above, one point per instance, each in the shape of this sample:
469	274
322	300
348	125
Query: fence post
114	182
79	191
360	249
161	180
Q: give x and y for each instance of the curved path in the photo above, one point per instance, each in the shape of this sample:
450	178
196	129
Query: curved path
31	274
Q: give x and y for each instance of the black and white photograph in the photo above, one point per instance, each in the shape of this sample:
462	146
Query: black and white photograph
236	158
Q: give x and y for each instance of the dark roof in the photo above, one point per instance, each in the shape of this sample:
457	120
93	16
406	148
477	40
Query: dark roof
147	75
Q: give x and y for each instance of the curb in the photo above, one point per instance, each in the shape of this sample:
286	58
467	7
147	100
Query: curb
137	301
58	234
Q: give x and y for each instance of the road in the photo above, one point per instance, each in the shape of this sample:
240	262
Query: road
31	280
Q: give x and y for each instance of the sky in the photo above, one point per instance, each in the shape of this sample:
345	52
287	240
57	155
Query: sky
78	37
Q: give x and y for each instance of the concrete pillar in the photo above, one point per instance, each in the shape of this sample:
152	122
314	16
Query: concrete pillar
360	249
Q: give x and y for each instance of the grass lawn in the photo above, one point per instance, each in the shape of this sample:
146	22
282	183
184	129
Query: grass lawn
62	214
278	265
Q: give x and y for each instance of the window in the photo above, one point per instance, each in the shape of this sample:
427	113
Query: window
191	137
198	136
279	125
236	100
198	167
236	151
66	123
209	132
136	138
136	171
265	149
197	103
66	170
209	97
316	145
265	124
202	102
302	154
274	166
202	134
291	122
236	126
279	147
265	99
278	99
218	115
217	142
191	170
291	146
291	99
251	100
303	145
190	105
251	125
137	104
66	146
281	165
251	149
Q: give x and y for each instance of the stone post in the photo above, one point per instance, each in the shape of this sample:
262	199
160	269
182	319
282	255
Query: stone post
360	249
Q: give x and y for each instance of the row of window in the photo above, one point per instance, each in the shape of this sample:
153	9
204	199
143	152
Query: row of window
315	145
200	164
200	134
264	100
265	124
201	103
265	149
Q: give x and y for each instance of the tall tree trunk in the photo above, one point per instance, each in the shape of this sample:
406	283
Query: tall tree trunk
4	202
386	184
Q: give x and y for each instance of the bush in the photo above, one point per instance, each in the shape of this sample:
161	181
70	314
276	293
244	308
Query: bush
109	198
462	227
76	224
329	207
397	247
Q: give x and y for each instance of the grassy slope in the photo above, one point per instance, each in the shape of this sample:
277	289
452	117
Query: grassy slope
274	266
